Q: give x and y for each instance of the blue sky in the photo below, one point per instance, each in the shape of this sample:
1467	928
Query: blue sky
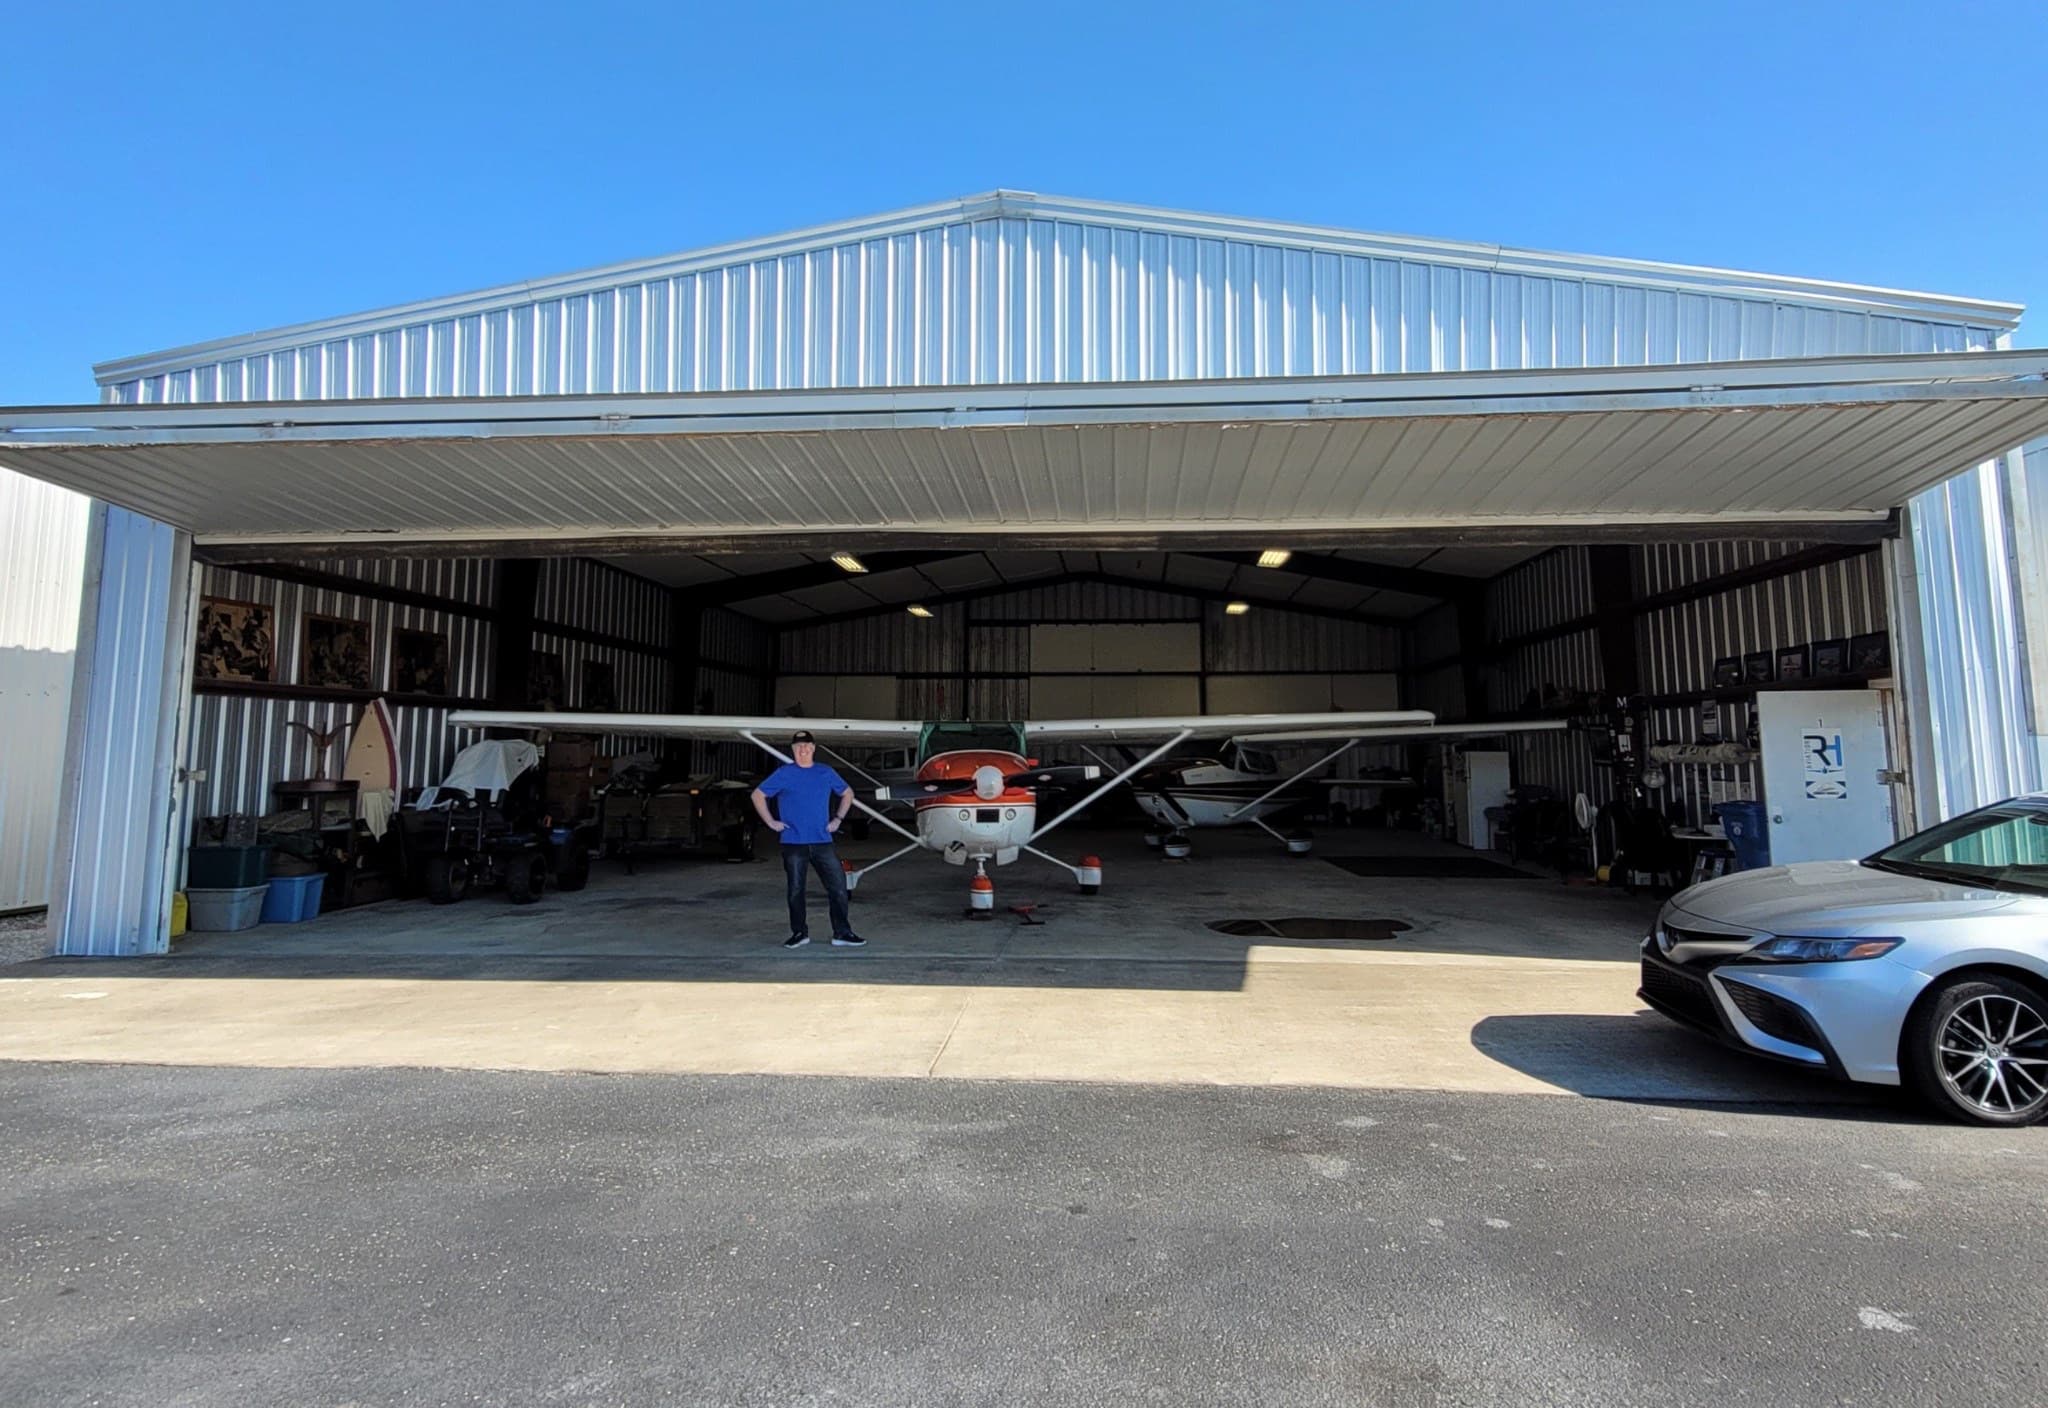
172	179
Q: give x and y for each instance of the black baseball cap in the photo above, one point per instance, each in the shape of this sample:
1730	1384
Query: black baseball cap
802	735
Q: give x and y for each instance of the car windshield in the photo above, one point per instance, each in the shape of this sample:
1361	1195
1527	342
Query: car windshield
2004	847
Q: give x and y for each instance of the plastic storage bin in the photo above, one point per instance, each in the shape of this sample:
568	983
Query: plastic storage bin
292	898
1747	837
223	911
226	867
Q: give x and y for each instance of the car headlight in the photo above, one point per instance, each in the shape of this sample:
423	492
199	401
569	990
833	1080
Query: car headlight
1790	949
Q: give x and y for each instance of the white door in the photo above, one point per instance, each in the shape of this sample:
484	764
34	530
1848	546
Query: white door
1823	753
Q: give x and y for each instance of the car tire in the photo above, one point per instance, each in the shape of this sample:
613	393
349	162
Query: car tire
447	878
525	877
1938	1060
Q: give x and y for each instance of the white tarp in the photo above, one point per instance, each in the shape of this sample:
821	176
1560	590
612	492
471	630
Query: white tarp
488	767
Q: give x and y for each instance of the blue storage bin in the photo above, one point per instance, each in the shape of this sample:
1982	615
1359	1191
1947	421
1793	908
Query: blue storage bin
293	898
1747	836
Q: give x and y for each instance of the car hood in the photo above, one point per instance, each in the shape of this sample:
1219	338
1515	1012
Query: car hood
1830	892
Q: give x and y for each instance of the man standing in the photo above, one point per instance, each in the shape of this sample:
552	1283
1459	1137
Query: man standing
804	793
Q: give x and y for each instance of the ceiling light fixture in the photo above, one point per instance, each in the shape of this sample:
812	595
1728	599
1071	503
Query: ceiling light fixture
922	613
849	562
1274	557
1237	608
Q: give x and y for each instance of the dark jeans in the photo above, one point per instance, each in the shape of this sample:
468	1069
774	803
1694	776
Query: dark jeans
825	861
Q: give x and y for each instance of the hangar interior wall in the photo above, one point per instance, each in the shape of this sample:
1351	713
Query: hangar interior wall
601	639
1543	656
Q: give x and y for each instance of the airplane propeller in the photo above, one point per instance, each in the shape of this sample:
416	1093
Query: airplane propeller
988	783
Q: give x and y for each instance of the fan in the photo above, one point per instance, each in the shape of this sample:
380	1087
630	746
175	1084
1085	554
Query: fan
1586	816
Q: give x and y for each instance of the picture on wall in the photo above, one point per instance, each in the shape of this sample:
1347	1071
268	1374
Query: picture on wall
1794	662
1871	654
337	653
600	692
544	680
1830	657
1757	667
419	662
236	641
1727	672
1709	730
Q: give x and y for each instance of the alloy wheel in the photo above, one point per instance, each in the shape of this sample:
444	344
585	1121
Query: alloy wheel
1992	1055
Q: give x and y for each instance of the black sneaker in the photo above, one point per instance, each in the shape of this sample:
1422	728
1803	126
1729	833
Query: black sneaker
796	940
847	941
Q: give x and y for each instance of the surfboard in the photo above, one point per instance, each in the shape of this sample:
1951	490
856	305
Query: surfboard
372	761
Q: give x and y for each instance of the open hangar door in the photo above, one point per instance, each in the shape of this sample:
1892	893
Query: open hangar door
1818	452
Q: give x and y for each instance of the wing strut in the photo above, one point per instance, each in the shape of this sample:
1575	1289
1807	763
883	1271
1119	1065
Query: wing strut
1318	764
1124	776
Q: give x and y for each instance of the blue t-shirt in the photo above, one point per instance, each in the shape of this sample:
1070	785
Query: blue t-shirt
803	800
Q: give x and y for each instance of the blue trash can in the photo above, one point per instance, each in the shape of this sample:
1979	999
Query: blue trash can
1747	837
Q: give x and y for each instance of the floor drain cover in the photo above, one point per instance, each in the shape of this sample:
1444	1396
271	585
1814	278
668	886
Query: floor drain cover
1305	928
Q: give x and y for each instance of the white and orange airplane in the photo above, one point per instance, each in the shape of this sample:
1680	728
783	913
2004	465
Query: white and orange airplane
977	785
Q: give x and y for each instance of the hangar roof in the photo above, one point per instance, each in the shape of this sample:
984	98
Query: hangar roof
1787	448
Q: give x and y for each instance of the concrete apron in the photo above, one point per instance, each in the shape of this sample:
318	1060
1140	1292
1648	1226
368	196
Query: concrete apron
1498	986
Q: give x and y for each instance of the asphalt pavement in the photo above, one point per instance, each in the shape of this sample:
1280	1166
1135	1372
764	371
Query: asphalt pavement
188	1236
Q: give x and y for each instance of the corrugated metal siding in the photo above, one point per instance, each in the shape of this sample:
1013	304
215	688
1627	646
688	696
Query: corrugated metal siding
467	579
1433	635
244	745
42	578
1665	566
1679	646
734	694
576	591
640	681
1269	638
1017	299
895	643
1543	592
733	639
1088	601
1972	632
109	889
1442	692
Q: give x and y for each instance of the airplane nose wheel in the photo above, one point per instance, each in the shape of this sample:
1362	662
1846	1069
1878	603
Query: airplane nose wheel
981	893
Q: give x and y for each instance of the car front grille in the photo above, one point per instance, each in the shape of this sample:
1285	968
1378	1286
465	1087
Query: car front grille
1684	994
1773	1016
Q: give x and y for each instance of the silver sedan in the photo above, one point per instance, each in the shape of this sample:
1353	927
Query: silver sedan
1925	965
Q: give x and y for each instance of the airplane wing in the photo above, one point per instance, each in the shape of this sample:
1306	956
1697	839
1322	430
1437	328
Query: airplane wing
1218	725
1403	733
732	727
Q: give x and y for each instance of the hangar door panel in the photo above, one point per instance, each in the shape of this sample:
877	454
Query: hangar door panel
837	696
1112	697
1115	670
1301	694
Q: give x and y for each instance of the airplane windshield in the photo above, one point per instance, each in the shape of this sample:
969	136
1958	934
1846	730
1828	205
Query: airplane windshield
964	735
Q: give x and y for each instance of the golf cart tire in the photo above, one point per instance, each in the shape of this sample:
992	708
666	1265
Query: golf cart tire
525	876
447	878
739	842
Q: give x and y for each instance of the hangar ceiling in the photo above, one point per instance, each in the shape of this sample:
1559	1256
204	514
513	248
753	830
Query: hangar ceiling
800	588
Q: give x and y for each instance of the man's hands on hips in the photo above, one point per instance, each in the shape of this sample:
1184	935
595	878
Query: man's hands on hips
833	824
778	827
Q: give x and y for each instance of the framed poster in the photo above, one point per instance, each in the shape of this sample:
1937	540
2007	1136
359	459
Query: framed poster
419	662
1871	654
1794	662
1709	730
1757	667
1727	672
600	694
544	680
236	641
1830	658
337	652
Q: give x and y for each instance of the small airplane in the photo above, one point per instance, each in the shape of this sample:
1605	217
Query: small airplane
1246	786
976	789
